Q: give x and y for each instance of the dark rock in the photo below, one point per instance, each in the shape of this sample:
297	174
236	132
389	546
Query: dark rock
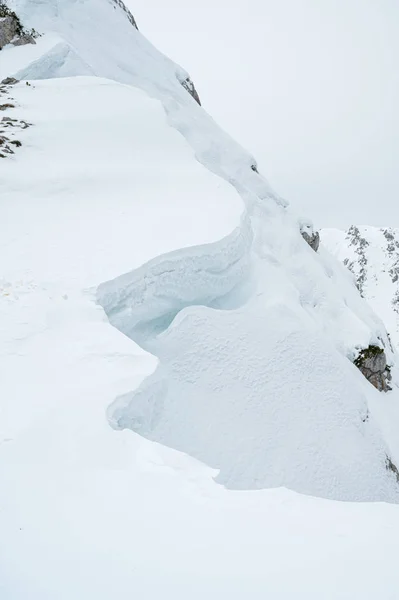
190	87
127	11
8	29
10	81
23	40
312	239
372	362
11	29
7	105
392	467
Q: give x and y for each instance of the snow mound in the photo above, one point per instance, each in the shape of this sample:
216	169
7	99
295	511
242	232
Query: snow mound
136	283
265	390
60	61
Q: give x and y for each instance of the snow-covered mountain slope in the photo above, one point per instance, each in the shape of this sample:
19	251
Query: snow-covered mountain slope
245	330
372	254
155	289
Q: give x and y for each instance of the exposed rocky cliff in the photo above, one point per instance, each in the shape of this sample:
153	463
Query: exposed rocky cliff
12	30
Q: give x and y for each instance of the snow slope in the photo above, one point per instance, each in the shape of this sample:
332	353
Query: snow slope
139	285
253	378
372	254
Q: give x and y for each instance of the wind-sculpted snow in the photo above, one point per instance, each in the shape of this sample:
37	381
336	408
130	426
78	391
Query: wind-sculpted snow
59	61
255	390
246	334
122	53
144	303
263	281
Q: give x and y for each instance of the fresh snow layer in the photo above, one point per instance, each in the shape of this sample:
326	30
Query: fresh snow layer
102	185
103	42
253	331
138	285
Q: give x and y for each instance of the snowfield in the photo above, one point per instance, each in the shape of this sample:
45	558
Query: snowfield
170	344
109	180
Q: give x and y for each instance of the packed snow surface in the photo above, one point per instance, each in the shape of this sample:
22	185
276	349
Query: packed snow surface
164	325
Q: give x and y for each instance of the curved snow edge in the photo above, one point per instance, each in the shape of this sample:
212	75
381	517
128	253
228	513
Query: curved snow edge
144	302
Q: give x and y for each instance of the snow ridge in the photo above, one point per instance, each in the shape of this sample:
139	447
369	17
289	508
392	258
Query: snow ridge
254	334
247	340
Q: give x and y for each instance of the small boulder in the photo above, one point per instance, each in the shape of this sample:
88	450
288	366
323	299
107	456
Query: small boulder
313	239
190	87
372	362
23	40
9	81
308	233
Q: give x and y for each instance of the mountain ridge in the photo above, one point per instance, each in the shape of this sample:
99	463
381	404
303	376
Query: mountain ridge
180	397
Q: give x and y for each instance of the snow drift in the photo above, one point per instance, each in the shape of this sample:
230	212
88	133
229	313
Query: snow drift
255	334
150	274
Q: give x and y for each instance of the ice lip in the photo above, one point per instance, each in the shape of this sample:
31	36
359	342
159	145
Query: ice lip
143	303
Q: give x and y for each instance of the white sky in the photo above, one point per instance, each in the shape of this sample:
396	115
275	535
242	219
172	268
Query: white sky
310	87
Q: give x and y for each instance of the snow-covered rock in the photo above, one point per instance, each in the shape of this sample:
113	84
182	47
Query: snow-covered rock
372	255
11	29
125	9
372	362
157	293
8	30
310	236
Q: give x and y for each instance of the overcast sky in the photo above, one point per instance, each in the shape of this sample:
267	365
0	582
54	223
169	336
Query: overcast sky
310	87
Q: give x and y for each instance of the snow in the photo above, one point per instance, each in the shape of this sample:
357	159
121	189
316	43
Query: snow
381	255
162	335
153	199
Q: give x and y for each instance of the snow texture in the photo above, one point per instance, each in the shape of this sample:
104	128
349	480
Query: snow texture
150	275
254	334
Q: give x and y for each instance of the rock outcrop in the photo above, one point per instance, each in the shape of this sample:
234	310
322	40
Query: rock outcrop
313	240
12	31
372	362
127	11
190	87
9	127
310	236
8	30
